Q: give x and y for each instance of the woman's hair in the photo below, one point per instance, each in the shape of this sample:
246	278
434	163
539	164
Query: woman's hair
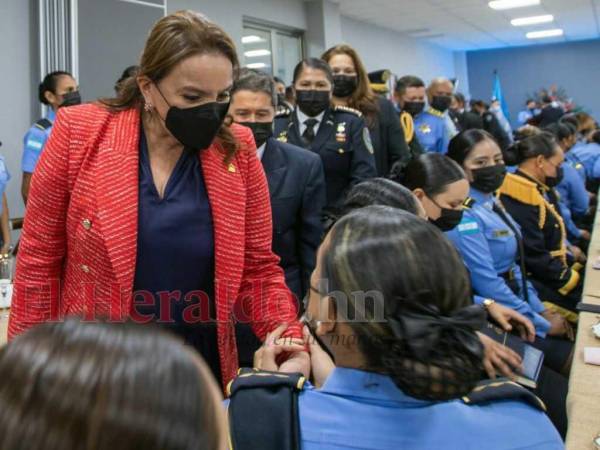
560	131
432	172
50	83
173	39
542	144
461	145
73	385
363	98
313	63
397	273
570	119
129	72
586	122
595	137
383	192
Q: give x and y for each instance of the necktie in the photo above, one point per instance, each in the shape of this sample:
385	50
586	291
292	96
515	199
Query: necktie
309	133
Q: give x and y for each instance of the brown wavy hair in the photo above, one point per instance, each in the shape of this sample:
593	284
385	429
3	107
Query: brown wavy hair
172	39
363	98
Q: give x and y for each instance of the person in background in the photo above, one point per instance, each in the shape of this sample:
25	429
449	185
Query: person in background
73	384
531	110
409	94
587	154
491	123
58	89
6	240
351	88
466	120
530	197
434	126
290	96
550	112
338	134
496	109
129	72
574	199
387	371
296	187
148	206
283	106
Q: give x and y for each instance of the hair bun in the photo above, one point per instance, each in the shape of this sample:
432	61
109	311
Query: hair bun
512	155
42	94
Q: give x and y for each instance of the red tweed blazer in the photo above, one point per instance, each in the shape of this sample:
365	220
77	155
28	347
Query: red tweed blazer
78	248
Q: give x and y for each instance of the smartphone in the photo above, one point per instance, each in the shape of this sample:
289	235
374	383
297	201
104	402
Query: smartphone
588	307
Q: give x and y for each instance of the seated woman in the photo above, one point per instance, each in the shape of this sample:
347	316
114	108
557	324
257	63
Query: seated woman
530	198
72	385
407	356
490	244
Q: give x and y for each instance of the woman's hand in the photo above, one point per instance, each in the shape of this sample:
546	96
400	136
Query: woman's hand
5	248
499	358
265	358
585	235
559	326
507	318
320	362
578	254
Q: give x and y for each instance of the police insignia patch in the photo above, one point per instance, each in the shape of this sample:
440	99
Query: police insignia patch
468	226
425	129
282	136
367	140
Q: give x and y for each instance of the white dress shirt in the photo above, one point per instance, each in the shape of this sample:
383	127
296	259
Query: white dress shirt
260	151
303	118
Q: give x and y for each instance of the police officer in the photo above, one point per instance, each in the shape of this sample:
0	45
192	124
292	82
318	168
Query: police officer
4	213
58	89
283	106
491	124
530	198
489	241
574	199
337	134
430	125
409	94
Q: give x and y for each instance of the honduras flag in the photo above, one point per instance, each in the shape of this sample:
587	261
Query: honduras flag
497	94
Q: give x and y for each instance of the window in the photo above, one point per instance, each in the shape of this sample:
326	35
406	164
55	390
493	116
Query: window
273	50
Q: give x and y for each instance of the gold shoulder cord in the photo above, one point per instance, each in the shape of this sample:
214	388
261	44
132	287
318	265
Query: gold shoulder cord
408	125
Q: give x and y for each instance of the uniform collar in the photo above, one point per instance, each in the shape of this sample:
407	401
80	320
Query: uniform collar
541	186
303	117
481	197
435	112
51	116
367	385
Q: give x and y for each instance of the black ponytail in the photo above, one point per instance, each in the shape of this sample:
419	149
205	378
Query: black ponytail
49	84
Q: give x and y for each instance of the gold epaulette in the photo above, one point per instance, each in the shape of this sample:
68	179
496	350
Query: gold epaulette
524	191
468	203
408	125
435	112
347	109
380	88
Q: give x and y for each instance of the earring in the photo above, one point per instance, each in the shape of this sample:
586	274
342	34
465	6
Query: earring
148	107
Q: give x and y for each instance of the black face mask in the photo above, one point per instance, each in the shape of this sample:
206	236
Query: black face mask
414	108
441	102
312	102
555	181
344	85
72	98
260	130
280	99
195	127
448	219
489	179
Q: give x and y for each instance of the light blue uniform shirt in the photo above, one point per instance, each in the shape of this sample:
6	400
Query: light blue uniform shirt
430	128
4	178
574	199
489	248
34	142
355	409
587	155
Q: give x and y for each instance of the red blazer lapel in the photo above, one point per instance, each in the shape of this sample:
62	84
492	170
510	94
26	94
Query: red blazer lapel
117	193
227	197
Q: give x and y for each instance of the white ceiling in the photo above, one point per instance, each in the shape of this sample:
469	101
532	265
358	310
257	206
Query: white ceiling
472	24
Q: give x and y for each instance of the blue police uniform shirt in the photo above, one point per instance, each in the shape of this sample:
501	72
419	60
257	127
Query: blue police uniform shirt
4	178
574	199
356	409
33	143
430	128
587	155
489	248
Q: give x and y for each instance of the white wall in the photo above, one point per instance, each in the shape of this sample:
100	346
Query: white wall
381	48
19	106
462	73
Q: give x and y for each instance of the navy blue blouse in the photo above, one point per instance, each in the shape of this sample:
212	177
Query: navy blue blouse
174	277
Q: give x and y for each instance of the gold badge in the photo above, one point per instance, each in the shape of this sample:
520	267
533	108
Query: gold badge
231	168
425	129
501	233
282	137
340	134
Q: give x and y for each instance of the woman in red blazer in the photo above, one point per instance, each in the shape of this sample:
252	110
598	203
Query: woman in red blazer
148	207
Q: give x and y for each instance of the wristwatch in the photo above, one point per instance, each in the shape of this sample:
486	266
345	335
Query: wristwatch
488	302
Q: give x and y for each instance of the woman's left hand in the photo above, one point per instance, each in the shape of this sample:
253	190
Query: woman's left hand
507	317
578	254
265	358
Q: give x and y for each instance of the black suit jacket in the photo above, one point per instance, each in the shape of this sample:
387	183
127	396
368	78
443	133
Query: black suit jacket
388	138
297	190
